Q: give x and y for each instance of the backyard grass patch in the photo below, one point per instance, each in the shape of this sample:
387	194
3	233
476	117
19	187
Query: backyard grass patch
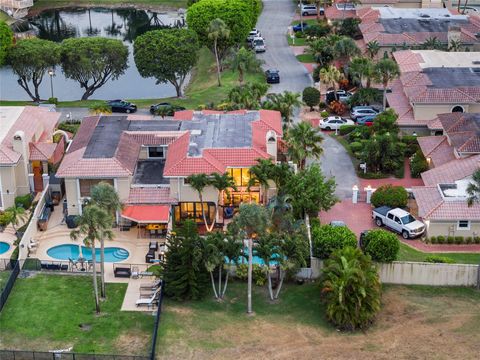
306	58
47	312
295	326
298	41
408	253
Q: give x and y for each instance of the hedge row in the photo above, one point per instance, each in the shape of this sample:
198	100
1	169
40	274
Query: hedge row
453	240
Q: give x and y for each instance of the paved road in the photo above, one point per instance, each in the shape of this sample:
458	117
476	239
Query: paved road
336	162
273	23
78	113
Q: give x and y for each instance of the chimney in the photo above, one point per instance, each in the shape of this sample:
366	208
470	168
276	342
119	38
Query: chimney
271	142
20	145
454	35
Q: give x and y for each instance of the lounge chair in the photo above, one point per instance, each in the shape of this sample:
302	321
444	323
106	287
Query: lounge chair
151	301
151	286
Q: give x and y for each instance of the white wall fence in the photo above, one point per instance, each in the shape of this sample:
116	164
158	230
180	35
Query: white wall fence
31	229
414	273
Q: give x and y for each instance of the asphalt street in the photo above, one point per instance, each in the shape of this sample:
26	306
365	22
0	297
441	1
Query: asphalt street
273	24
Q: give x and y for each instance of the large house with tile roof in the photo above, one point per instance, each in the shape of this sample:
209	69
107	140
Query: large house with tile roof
148	161
399	28
433	82
26	150
453	158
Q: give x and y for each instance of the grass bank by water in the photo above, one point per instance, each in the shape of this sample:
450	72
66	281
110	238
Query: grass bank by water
408	253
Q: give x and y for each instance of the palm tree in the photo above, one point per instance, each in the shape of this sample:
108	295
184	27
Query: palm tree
214	258
385	71
285	103
16	214
247	96
260	174
105	197
218	30
303	141
245	61
252	219
199	182
373	47
361	68
345	49
163	111
432	43
351	289
331	76
223	183
266	250
232	249
455	45
93	224
279	206
100	109
473	189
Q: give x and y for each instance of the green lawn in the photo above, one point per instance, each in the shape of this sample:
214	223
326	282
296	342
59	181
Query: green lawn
46	4
46	312
4	275
295	326
308	21
408	253
306	58
201	90
298	41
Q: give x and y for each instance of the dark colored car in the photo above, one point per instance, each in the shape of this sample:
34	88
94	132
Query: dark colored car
273	76
169	107
122	106
298	27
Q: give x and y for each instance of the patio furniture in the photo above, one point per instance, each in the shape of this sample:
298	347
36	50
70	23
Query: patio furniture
122	272
135	272
150	256
153	245
150	301
145	273
228	212
152	285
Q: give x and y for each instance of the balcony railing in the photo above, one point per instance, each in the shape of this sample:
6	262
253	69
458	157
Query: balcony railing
16	4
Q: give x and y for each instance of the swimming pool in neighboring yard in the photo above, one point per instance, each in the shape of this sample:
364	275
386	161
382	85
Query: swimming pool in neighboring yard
255	259
4	247
72	251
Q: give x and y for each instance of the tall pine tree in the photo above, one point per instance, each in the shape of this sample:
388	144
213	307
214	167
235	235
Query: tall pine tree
186	277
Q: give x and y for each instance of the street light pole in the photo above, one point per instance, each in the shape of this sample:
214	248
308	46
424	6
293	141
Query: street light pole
51	73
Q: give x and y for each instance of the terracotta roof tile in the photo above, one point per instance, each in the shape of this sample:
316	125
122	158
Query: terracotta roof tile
453	170
183	115
150	195
42	151
437	149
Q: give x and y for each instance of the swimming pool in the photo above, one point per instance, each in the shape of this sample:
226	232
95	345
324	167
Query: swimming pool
255	259
4	247
66	251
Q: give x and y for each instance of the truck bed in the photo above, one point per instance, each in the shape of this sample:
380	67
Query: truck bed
382	210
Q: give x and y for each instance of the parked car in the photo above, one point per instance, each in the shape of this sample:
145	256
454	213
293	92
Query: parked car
253	34
171	108
342	95
360	111
298	27
311	9
399	221
273	76
366	120
334	123
258	45
122	106
337	223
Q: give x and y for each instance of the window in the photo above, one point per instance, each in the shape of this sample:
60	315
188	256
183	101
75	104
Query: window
156	152
457	108
193	211
87	184
463	225
241	177
236	199
390	216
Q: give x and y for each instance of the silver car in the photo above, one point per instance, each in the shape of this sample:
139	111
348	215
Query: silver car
360	111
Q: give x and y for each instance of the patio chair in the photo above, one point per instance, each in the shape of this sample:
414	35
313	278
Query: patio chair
149	301
151	286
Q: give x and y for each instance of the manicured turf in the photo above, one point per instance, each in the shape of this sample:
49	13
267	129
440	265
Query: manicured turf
298	41
202	89
409	254
306	58
47	312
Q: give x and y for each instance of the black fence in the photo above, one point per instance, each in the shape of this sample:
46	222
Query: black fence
157	323
9	284
37	355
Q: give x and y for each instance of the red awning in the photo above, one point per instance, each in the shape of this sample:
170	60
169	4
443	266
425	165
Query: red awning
147	214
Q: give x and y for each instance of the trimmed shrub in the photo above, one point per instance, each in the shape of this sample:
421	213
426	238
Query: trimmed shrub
337	107
458	239
381	245
52	100
418	164
324	114
311	97
327	239
450	239
476	239
356	146
258	273
5	219
393	196
316	31
346	129
24	201
468	240
441	239
439	259
433	239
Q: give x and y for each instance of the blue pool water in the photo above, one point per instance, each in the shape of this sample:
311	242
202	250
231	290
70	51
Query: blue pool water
66	251
255	259
4	247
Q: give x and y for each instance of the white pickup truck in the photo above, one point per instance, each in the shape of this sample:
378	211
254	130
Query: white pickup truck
399	221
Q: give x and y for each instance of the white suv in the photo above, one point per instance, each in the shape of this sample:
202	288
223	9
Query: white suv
258	45
310	9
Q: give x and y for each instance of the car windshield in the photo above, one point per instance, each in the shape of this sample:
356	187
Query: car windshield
258	42
407	219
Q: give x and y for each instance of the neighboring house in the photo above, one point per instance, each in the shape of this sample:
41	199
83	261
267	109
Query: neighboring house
26	150
453	158
434	82
148	161
394	28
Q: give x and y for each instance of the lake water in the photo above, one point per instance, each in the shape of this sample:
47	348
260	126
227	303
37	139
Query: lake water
123	24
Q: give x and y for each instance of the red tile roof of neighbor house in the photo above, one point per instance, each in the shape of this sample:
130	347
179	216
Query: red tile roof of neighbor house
463	131
150	195
451	171
31	120
432	206
437	149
